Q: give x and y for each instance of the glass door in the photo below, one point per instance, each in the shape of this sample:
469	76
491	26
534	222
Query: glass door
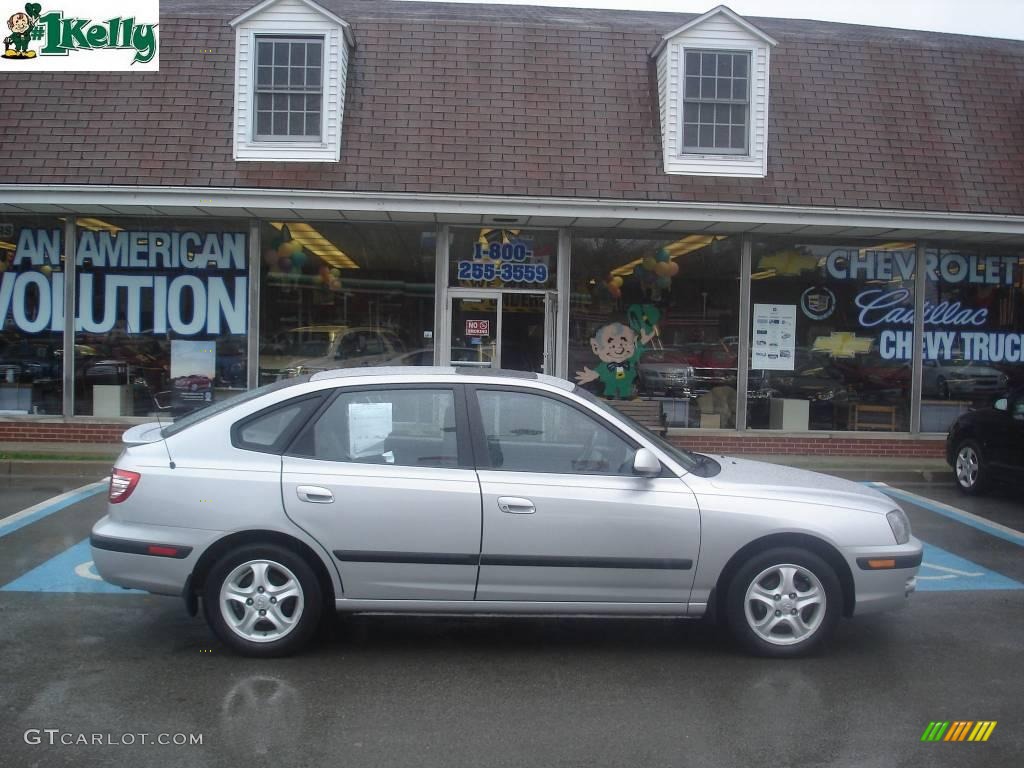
514	330
474	328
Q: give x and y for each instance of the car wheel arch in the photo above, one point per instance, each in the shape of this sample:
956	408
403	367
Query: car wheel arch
217	550
820	547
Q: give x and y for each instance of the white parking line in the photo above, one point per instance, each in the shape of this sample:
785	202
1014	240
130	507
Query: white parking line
13	522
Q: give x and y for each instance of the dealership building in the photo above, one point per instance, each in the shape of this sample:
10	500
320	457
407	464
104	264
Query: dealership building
764	235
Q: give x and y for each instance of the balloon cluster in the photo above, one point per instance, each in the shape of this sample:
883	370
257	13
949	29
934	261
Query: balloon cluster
286	256
330	277
613	284
656	270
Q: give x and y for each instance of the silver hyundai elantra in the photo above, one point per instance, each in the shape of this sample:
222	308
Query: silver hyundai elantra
436	490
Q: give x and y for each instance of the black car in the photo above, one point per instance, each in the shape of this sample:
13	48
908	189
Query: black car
987	445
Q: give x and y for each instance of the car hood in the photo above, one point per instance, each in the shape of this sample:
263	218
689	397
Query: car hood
759	479
955	371
284	362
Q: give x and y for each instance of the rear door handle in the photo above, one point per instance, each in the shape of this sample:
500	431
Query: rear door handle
314	494
516	506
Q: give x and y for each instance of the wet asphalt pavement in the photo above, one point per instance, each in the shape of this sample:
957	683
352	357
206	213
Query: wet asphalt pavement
390	691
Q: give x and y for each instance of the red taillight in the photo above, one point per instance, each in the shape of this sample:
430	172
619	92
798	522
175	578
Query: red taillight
122	483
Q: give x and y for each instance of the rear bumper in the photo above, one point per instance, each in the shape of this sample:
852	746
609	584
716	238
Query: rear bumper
882	589
123	556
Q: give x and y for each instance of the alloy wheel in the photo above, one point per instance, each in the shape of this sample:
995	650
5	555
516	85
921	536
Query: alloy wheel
967	464
784	604
261	601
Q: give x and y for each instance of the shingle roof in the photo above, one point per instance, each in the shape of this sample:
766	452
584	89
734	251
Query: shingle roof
516	100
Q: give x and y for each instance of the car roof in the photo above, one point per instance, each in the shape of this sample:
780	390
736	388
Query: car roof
420	372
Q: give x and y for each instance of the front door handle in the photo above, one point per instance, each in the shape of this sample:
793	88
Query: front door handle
516	506
314	494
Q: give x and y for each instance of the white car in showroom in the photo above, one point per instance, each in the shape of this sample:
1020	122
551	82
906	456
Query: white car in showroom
443	490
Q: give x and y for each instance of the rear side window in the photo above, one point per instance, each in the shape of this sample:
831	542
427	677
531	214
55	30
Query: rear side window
403	427
270	431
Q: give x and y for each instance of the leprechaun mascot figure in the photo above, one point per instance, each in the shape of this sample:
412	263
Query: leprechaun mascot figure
21	24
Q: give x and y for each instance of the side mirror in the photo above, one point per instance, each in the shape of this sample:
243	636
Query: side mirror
645	463
1001	404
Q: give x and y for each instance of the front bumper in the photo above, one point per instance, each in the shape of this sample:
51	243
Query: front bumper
122	555
882	589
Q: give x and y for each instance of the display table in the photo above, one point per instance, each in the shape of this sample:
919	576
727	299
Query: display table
789	415
111	400
16	398
873	417
937	415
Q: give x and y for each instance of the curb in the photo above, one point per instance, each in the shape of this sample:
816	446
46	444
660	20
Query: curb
43	468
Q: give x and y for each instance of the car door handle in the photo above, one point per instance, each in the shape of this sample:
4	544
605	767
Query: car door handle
516	506
314	494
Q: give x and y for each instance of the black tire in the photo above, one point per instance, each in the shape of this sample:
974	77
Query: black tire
970	483
819	619
281	561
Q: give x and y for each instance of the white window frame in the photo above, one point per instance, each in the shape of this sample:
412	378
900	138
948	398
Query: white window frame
290	19
259	37
748	137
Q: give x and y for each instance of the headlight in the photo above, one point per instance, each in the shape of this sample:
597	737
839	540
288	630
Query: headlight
900	525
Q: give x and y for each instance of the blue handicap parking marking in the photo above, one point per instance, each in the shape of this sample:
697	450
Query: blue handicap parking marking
943	571
70	571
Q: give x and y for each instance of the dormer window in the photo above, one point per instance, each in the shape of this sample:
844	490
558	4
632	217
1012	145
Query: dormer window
716	101
713	96
291	64
289	88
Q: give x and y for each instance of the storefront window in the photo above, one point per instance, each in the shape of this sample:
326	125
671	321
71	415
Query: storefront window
161	316
345	295
657	318
831	336
31	314
973	351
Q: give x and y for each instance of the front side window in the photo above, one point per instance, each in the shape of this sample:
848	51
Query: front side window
402	427
716	102
289	88
534	433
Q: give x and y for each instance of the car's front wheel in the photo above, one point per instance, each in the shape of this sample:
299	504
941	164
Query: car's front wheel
970	469
262	600
783	602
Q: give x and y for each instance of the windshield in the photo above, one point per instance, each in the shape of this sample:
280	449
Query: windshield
692	462
219	407
303	344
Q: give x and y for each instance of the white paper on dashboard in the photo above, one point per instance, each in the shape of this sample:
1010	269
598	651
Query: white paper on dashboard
369	425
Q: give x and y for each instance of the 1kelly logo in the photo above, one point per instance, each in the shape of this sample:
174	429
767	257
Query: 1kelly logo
58	34
958	730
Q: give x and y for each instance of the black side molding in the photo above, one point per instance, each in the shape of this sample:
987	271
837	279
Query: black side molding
543	561
557	561
415	558
132	547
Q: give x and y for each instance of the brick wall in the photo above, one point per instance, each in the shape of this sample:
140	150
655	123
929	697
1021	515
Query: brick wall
812	445
60	432
755	443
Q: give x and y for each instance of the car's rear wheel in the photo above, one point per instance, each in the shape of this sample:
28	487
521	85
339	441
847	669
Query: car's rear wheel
970	469
262	600
783	602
